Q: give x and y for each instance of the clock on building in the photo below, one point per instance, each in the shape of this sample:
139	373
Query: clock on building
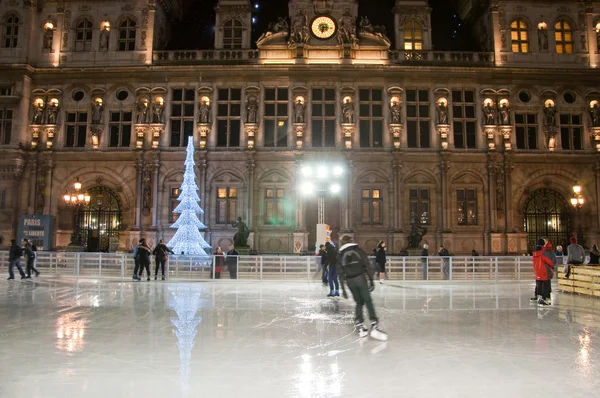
323	27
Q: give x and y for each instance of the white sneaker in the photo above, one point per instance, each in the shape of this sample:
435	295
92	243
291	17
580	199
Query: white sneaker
377	333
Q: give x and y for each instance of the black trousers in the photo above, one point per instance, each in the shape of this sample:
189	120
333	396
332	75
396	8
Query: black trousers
232	272
542	288
146	266
30	267
137	266
360	292
161	262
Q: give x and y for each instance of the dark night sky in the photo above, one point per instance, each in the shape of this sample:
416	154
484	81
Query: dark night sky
196	29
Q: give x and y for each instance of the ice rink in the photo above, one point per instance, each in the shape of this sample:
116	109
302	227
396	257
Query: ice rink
113	338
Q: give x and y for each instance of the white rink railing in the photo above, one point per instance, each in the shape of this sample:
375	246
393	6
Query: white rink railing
482	268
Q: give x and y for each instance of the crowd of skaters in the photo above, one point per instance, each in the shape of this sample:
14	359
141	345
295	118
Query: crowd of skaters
28	250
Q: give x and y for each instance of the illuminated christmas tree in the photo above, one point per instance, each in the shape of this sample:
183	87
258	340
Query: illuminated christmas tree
188	239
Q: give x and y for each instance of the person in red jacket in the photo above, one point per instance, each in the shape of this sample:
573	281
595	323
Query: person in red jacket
543	267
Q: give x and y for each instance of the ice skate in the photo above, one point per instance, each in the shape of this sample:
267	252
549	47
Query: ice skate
362	330
377	333
543	303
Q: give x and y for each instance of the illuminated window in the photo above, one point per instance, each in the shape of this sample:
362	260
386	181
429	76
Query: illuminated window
371	118
413	36
6	116
11	31
276	117
519	36
83	36
174	194
564	37
372	206
127	35
232	34
274	206
226	205
466	200
419	206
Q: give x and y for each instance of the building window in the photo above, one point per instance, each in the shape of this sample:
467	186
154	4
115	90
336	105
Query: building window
6	116
127	35
3	199
11	31
182	116
173	195
464	119
372	205
413	36
120	129
371	118
232	34
76	129
417	118
466	200
527	128
83	36
519	36
226	205
274	206
6	91
323	117
276	117
571	131
229	107
564	37
419	206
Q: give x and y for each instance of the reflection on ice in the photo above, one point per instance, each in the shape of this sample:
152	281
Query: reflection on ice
70	329
185	301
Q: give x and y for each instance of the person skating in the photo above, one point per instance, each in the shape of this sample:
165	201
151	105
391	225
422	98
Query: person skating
14	258
355	271
219	262
323	255
575	255
543	267
136	261
445	262
425	260
380	260
232	262
30	257
143	256
161	255
332	265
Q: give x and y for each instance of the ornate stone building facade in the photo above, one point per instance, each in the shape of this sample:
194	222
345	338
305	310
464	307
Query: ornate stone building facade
482	149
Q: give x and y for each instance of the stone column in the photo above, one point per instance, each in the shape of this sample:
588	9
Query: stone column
444	166
48	188
30	176
508	201
350	202
155	170
139	169
396	198
250	166
202	185
22	124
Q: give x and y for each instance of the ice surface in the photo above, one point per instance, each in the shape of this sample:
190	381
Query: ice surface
109	338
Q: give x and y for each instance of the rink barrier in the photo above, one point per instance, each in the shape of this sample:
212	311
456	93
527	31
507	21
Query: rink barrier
273	267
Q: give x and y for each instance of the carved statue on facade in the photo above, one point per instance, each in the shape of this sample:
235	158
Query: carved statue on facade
442	112
489	112
595	114
300	33
504	114
104	38
550	115
367	27
53	113
395	112
251	110
48	35
299	111
38	113
158	109
543	39
348	111
240	239
416	235
204	112
347	29
280	26
97	112
141	111
146	197
322	6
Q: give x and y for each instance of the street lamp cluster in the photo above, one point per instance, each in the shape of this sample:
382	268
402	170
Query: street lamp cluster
577	201
77	197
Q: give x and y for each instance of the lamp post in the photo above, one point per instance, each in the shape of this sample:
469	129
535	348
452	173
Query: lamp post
314	181
76	199
577	201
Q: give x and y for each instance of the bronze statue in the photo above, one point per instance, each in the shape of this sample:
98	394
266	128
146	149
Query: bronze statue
240	239
416	235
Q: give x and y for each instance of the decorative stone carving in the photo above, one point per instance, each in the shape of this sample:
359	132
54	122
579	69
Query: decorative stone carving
300	33
595	135
38	111
347	29
348	132
251	130
442	111
299	111
506	132
48	38
104	38
549	114
158	108
504	113
348	110
96	135
251	109
395	111
204	111
147	187
140	132
299	131
543	37
500	188
502	26
489	113
35	136
396	132
53	111
97	111
141	110
203	131
490	134
50	132
595	113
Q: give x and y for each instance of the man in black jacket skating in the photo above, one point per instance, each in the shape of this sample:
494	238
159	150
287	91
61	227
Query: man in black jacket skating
14	257
356	271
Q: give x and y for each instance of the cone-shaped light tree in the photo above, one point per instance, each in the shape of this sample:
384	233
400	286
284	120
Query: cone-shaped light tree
188	239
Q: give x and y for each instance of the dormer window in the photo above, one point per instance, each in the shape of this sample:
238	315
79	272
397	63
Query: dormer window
519	36
232	34
413	36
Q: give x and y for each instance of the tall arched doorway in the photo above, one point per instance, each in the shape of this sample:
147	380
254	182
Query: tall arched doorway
100	222
547	216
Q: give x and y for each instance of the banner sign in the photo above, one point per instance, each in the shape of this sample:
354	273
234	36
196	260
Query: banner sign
38	228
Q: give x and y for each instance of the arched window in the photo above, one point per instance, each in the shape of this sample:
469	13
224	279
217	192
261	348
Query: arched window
413	35
11	31
547	216
564	37
519	36
100	222
127	35
83	35
232	34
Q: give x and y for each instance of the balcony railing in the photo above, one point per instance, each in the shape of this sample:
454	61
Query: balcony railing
441	58
306	268
205	57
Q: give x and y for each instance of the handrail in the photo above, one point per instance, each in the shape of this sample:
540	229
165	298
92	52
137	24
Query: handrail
274	267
